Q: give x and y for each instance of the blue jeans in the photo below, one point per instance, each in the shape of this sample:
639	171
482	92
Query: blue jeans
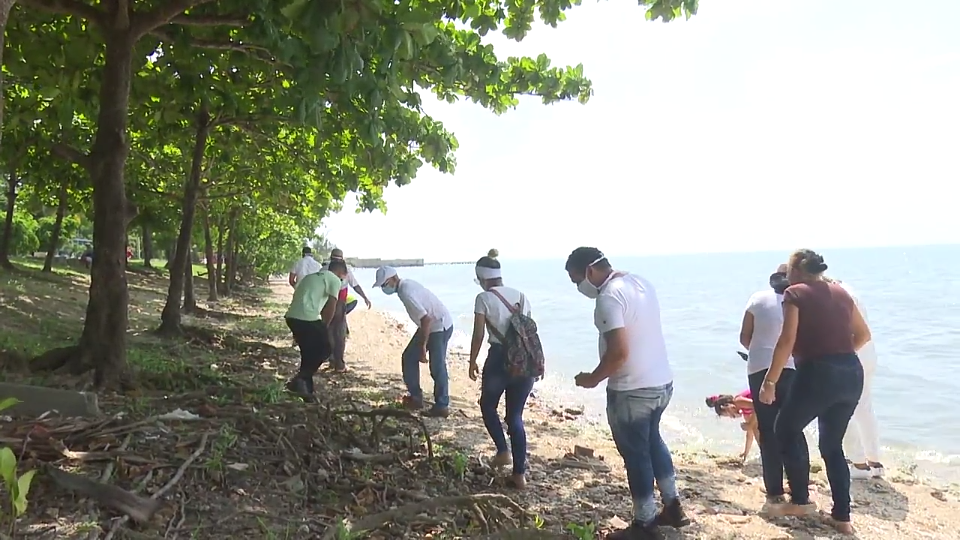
826	389
437	354
495	383
634	417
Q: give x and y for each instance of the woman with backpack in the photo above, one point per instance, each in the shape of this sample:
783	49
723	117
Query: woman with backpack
514	361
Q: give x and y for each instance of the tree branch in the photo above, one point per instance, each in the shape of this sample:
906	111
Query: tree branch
68	7
68	153
255	51
168	10
210	20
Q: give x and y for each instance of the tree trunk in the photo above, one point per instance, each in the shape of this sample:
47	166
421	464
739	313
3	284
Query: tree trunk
212	295
57	227
146	240
7	238
170	318
221	225
189	296
104	339
230	272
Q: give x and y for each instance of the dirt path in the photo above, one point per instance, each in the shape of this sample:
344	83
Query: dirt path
586	497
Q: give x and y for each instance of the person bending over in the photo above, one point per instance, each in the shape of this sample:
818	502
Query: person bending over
738	406
313	306
429	342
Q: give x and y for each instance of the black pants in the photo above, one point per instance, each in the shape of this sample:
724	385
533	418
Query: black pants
314	341
770	453
827	389
338	333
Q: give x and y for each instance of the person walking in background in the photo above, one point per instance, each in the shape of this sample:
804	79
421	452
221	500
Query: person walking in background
823	329
305	266
338	328
862	441
633	360
738	406
759	332
429	342
514	361
311	310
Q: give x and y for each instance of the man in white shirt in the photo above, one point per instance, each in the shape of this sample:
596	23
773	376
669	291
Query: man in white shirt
430	341
339	330
633	360
305	266
759	333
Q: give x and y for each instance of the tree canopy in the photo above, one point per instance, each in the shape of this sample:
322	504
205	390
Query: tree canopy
226	130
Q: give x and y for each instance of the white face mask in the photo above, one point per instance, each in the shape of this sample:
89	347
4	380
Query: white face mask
590	290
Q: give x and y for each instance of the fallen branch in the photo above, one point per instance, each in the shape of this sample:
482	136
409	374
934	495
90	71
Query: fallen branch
166	487
469	502
386	412
133	506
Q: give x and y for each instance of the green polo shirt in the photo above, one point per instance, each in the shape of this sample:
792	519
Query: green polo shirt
311	295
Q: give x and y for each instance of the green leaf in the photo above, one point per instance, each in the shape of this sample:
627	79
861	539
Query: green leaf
23	489
8	402
294	10
8	467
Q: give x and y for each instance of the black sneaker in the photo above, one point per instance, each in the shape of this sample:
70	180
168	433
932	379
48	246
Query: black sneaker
672	515
637	531
300	387
437	412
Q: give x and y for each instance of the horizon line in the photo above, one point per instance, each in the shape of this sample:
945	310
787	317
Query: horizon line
674	253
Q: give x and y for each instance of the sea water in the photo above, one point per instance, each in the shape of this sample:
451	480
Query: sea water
911	294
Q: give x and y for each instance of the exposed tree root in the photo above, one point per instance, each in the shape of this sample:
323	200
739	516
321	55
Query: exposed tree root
382	414
485	506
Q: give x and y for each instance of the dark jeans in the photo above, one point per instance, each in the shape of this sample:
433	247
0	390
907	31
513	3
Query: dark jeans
827	389
634	417
770	454
314	341
437	356
338	332
495	383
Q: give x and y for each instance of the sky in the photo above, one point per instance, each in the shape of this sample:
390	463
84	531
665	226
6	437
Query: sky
755	125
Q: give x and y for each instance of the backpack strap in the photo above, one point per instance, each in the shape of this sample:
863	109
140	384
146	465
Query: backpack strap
513	309
496	333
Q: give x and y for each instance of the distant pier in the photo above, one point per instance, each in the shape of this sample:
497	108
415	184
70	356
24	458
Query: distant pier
396	263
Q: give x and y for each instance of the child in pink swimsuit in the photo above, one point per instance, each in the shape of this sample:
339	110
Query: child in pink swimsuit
738	406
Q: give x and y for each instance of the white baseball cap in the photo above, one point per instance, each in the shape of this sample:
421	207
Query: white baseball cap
384	273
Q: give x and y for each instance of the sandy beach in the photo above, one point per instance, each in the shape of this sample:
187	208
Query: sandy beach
721	495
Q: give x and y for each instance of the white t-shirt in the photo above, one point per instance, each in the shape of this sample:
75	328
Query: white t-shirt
306	266
868	353
350	281
496	312
418	301
767	310
630	302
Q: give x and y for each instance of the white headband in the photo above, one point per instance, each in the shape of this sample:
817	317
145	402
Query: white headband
488	273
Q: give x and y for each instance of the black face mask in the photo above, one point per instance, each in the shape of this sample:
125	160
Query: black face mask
779	282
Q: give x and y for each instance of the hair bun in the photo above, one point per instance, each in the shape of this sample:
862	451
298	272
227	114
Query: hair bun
712	401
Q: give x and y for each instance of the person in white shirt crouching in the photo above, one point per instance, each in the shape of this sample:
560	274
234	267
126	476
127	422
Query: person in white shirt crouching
428	344
633	360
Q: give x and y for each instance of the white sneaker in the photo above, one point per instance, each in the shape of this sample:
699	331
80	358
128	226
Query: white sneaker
877	472
860	474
